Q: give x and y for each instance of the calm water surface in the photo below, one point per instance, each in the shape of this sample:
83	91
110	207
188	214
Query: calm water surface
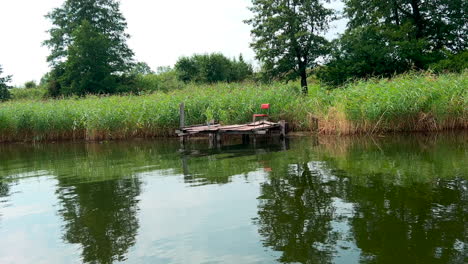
394	199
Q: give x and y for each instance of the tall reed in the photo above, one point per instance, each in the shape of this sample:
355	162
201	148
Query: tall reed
405	103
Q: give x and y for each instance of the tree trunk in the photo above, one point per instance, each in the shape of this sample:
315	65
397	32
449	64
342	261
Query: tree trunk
395	13
417	18
303	74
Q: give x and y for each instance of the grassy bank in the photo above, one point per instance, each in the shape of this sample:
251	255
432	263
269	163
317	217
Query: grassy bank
405	103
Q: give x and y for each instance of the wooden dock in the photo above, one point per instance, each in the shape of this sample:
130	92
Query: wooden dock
216	131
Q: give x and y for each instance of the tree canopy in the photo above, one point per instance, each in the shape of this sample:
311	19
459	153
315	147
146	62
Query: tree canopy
386	37
289	36
88	46
4	93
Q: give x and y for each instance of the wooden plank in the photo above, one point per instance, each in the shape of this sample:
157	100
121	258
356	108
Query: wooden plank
254	128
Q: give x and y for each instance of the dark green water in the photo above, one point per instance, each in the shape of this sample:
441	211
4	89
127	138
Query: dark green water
396	199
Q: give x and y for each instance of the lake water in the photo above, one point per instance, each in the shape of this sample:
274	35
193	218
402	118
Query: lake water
394	199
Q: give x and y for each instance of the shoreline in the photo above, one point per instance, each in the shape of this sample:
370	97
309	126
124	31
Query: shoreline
234	138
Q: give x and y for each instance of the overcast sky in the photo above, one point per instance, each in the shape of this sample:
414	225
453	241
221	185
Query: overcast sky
161	31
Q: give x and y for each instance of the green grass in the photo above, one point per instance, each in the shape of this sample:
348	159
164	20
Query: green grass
405	103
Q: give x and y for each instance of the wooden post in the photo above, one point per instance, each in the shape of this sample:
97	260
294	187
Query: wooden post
218	139
211	140
182	115
182	122
282	124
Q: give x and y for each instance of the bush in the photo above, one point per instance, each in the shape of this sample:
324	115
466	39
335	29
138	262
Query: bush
164	81
29	94
30	85
453	63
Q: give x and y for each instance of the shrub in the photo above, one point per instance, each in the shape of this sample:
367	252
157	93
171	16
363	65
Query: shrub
453	63
29	94
30	85
164	81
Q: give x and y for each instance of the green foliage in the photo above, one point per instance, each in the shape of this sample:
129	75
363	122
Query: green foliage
408	102
394	36
453	63
88	47
103	15
4	93
30	85
164	81
211	68
355	55
141	68
38	93
148	115
88	68
288	36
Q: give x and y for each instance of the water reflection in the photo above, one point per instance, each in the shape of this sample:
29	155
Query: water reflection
417	223
4	192
294	216
202	165
326	200
100	217
389	222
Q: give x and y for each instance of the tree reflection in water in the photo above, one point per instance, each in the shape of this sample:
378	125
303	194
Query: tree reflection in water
4	192
101	217
419	222
294	216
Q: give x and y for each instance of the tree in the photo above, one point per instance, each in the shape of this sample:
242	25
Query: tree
4	93
356	54
211	68
441	23
288	36
88	68
186	69
241	70
91	23
141	68
393	36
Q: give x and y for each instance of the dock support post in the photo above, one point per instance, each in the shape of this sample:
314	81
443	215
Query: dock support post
282	124
245	139
182	122
218	139
182	115
211	139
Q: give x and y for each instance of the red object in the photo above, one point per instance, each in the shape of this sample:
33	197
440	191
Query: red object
263	106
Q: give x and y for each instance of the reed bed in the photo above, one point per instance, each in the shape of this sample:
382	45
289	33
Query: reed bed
406	103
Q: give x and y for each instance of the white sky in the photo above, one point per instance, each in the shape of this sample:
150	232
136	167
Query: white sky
161	31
